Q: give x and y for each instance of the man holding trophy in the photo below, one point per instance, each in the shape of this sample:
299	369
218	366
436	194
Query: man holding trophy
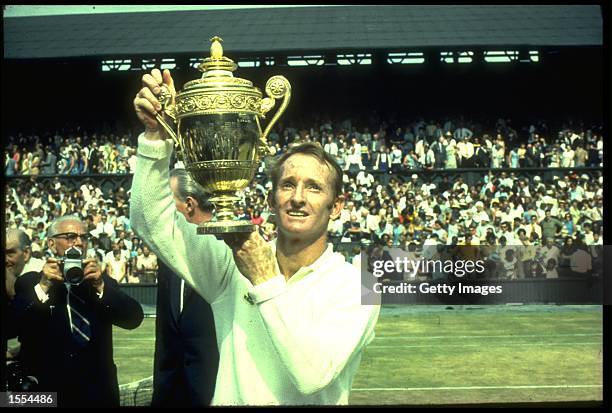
290	325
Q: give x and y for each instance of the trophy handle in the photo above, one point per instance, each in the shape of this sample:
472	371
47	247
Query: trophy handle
168	107
276	87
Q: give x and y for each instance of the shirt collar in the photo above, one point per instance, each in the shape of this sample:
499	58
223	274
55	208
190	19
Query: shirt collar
324	259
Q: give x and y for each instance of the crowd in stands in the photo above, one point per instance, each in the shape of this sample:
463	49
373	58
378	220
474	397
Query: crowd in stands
32	207
500	209
72	153
387	148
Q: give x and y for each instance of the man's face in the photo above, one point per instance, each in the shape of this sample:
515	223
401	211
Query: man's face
304	200
16	258
65	237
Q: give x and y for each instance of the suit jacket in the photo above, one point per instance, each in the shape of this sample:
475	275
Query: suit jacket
82	376
186	354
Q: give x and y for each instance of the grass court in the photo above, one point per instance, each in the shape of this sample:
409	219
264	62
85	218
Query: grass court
453	355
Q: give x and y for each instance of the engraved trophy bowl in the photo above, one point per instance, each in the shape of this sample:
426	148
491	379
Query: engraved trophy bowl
216	127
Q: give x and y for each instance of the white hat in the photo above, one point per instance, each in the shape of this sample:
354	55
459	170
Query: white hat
414	176
537	178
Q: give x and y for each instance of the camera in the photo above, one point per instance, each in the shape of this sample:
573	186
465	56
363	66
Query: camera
16	379
72	266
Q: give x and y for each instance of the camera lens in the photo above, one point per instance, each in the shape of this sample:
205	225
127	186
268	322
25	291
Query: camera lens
74	275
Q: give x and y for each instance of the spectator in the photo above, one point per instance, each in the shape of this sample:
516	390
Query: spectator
117	265
18	251
146	265
451	153
551	227
565	254
186	353
49	165
66	330
465	149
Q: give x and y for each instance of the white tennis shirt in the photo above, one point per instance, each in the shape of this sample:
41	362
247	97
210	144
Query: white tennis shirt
295	342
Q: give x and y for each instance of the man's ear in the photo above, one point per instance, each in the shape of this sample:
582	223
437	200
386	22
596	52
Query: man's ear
51	245
192	203
27	253
336	207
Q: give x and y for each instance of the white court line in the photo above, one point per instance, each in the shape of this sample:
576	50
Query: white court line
480	345
500	336
553	386
429	337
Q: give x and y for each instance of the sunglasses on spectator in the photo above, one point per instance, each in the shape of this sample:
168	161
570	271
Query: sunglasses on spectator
72	236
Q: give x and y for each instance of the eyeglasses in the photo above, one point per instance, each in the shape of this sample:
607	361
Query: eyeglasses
72	236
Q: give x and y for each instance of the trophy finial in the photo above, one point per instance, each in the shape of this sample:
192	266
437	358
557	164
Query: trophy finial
216	50
216	61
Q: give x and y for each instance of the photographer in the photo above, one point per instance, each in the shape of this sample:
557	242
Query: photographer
65	315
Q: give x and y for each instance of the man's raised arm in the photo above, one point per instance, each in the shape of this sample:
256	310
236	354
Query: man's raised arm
203	261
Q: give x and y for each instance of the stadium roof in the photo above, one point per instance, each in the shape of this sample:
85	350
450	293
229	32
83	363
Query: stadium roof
302	29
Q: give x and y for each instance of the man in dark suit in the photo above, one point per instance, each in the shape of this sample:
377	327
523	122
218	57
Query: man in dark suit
66	329
186	353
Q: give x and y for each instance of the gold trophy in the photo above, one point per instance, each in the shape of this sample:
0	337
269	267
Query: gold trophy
218	132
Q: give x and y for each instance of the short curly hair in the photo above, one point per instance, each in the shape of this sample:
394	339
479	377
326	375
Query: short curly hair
314	149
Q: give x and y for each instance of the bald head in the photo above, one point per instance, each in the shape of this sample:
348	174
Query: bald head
18	236
17	250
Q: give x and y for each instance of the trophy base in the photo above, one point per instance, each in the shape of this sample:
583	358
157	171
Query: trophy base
225	227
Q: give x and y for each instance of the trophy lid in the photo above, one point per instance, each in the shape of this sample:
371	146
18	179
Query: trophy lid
218	91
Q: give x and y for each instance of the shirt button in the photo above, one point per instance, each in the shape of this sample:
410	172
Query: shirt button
248	298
